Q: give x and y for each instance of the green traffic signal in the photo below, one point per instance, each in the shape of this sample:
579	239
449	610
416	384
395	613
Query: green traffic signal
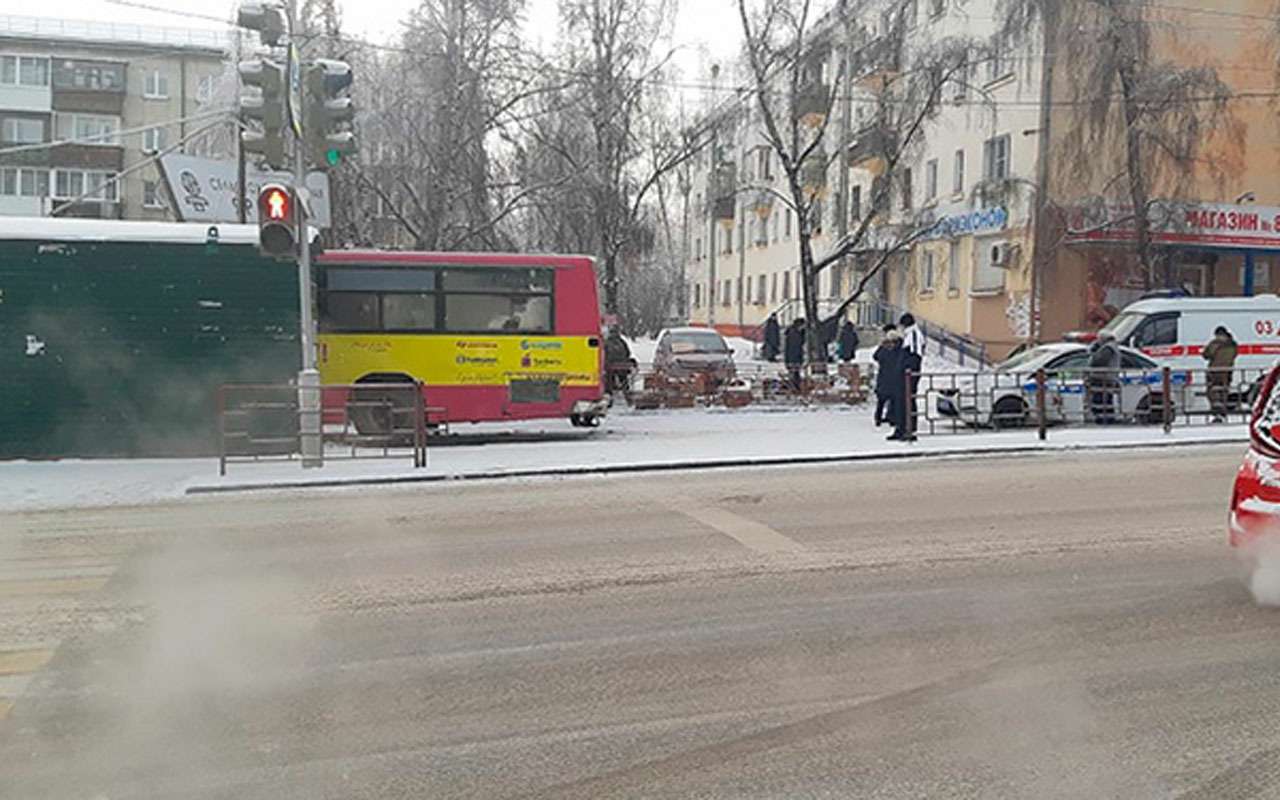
332	157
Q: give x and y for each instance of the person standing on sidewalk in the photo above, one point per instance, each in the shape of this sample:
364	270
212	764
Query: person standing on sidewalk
848	342
913	346
772	338
888	358
1103	381
1221	353
793	352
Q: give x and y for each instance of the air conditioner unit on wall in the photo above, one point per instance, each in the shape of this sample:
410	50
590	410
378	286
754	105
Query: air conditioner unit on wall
1002	254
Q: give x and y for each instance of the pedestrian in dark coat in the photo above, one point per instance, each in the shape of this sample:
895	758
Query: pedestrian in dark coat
848	342
888	358
828	330
793	351
913	347
772	338
1104	378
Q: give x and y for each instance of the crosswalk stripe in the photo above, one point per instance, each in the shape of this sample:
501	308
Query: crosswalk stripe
17	588
747	532
14	662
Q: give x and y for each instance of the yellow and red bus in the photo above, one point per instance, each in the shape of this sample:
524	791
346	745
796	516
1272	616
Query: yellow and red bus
490	336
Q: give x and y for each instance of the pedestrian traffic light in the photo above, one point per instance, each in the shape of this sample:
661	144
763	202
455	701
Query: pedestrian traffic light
267	19
329	112
277	221
265	109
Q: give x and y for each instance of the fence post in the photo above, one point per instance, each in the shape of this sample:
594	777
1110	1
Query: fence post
220	401
419	427
1166	410
1041	423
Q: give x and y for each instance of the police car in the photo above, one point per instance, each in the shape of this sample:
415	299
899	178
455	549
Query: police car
1006	396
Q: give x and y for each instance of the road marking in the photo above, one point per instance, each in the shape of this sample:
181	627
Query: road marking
747	532
17	588
5	705
14	662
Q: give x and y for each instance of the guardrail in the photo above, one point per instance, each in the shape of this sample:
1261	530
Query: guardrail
957	402
359	421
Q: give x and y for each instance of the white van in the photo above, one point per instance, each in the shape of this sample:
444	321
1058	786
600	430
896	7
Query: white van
1173	332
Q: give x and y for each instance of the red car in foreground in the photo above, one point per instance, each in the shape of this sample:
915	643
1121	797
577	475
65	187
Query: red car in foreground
1255	500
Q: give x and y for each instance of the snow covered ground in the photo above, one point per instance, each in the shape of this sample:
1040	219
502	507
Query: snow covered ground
627	439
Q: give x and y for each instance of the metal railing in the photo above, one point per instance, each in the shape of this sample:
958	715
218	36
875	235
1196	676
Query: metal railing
368	420
966	349
955	402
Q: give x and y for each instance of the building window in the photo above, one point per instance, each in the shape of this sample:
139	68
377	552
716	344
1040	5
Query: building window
69	184
204	89
728	243
787	230
24	182
726	298
18	130
760	287
815	217
953	267
156	85
957	177
786	286
697	249
995	156
906	190
96	129
777	225
24	71
999	63
931	181
926	271
151	196
855	203
697	295
773	287
154	140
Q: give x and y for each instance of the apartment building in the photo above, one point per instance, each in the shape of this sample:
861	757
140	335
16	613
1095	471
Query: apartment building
996	171
84	104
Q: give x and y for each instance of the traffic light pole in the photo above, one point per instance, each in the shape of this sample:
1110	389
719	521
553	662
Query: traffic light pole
310	435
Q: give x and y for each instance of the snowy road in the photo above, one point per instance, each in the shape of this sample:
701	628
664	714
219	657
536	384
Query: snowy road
1047	626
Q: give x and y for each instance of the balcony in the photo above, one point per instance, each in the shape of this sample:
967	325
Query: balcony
871	148
89	86
877	61
760	203
813	173
724	186
812	103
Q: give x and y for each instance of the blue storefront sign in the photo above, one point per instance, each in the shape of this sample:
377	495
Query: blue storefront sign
984	220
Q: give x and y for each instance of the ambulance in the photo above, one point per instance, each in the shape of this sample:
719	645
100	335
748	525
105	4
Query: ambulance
1173	331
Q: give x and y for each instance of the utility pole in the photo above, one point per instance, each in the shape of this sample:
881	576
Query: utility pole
713	195
846	123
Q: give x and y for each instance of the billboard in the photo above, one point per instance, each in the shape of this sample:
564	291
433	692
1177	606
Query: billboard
204	189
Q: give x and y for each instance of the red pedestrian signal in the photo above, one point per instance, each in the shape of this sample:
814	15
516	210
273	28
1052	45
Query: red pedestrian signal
277	223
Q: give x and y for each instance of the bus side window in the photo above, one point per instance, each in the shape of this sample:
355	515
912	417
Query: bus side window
350	311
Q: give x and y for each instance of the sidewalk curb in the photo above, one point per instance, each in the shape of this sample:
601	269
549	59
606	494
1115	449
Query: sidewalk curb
713	464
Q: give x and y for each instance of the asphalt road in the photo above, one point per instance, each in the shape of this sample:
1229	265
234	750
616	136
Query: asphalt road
1051	626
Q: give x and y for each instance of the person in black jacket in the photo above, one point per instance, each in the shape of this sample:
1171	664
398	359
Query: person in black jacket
848	342
772	338
793	351
1104	378
888	358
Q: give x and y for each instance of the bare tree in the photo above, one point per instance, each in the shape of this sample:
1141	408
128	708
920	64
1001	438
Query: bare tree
787	52
1131	116
614	59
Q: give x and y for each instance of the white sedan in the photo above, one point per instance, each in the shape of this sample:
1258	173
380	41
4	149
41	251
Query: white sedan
1006	396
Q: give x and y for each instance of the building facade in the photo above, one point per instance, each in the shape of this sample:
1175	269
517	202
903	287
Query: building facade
992	206
84	108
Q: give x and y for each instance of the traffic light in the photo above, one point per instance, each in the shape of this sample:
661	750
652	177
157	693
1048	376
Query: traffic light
267	109
277	221
329	112
267	19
